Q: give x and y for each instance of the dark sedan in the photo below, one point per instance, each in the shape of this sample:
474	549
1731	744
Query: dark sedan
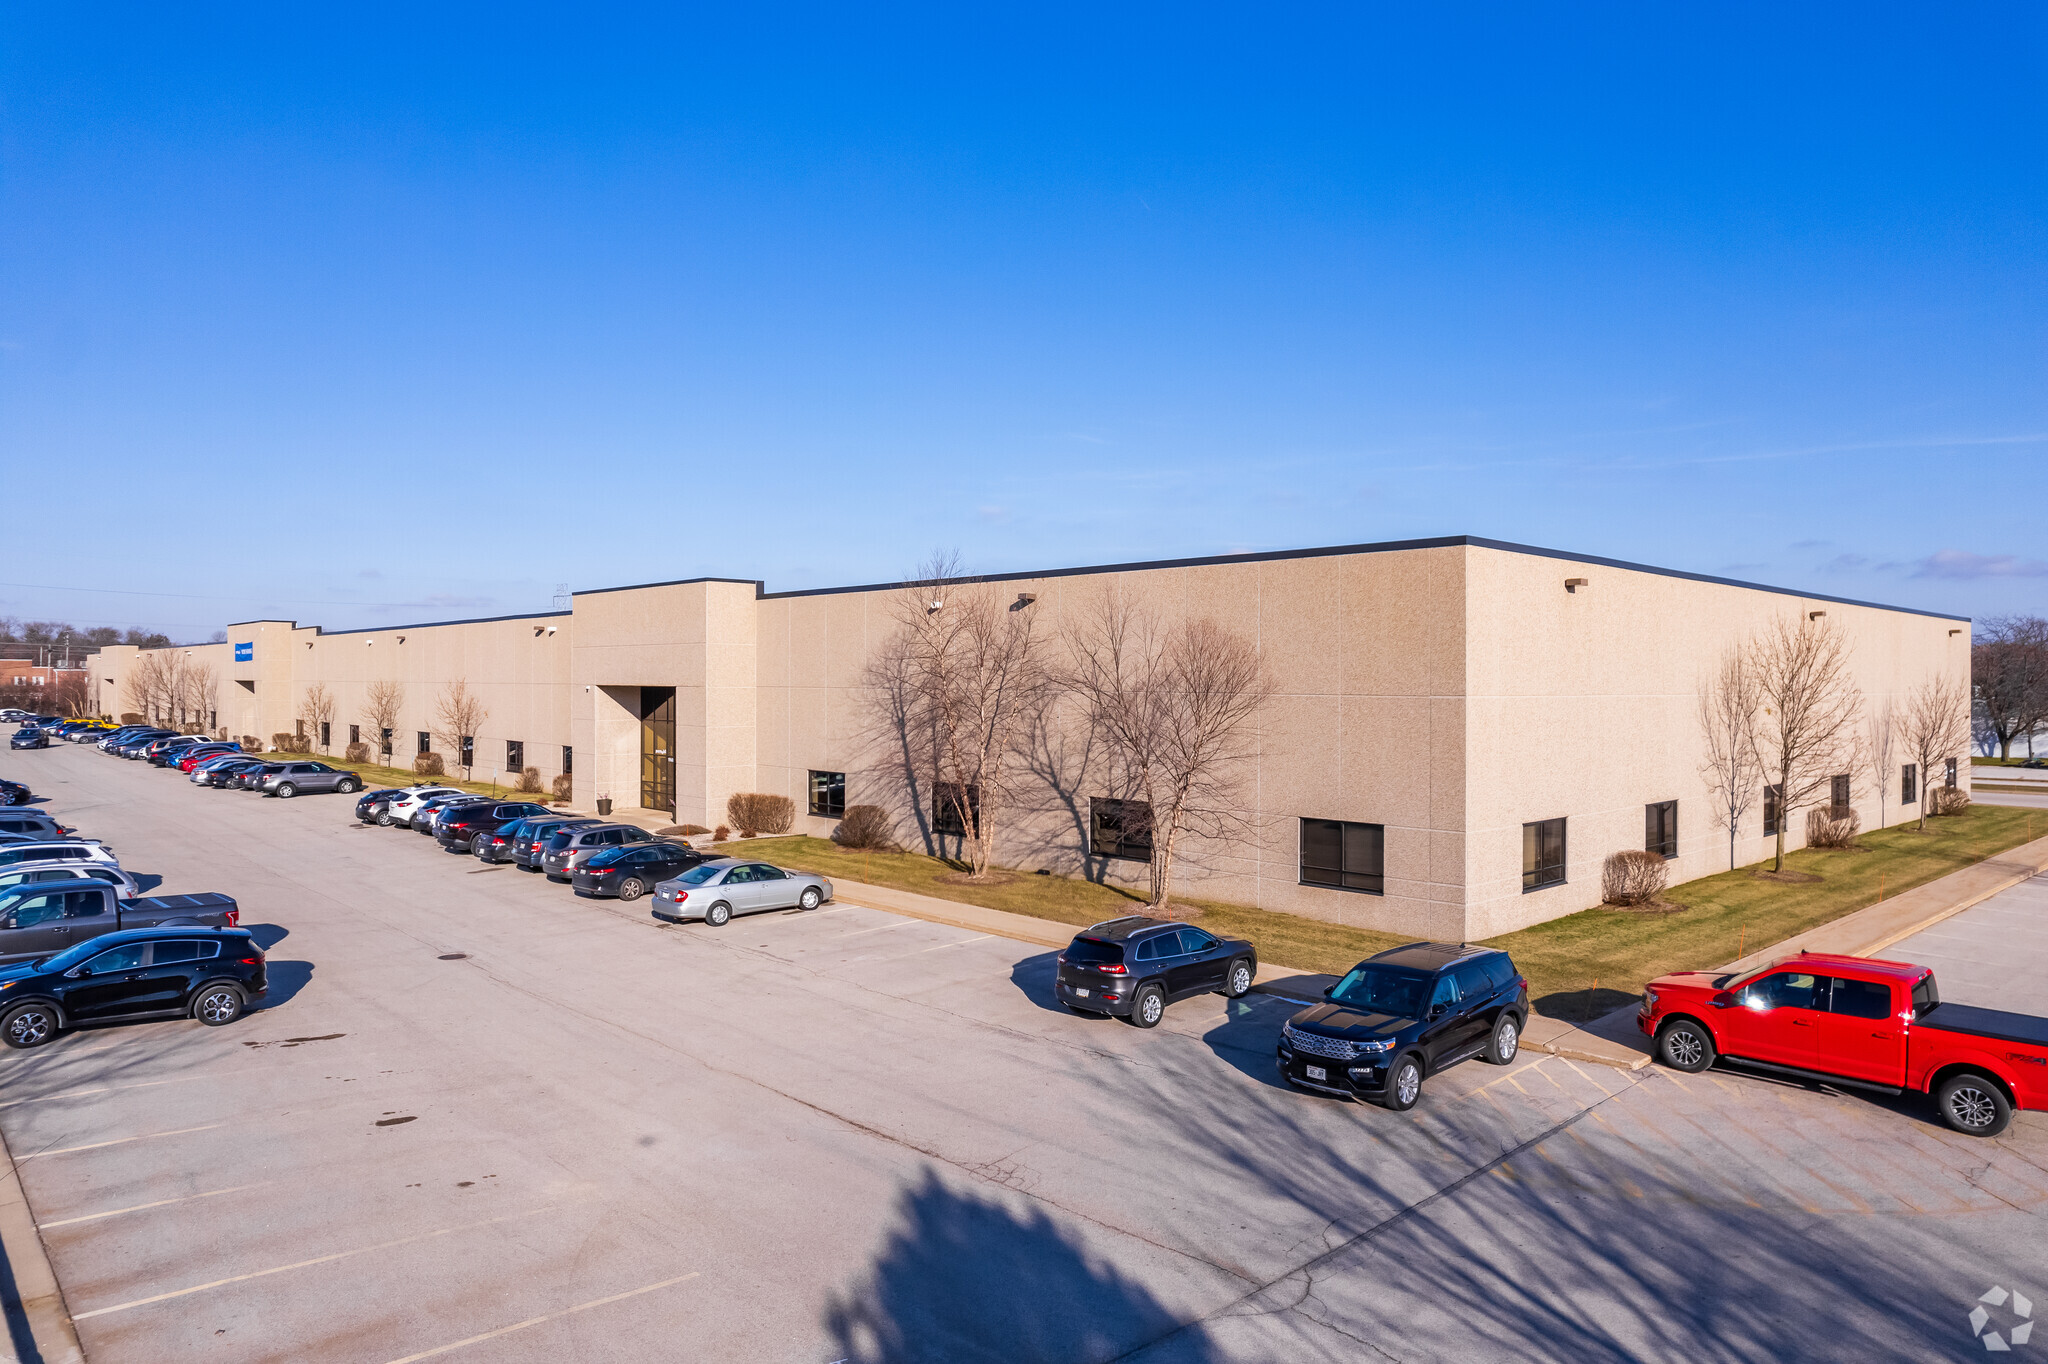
460	828
209	974
251	778
28	736
531	845
629	873
500	844
227	774
14	793
1135	966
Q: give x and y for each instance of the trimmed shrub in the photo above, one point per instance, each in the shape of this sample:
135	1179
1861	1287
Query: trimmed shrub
1631	877
563	787
1947	800
429	765
756	812
357	753
721	834
129	717
866	828
529	782
251	744
1834	826
683	831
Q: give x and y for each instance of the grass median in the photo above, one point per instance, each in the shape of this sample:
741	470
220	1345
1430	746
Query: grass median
1578	966
375	776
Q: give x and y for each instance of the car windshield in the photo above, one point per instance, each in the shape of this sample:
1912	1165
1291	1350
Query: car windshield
697	876
608	856
1382	989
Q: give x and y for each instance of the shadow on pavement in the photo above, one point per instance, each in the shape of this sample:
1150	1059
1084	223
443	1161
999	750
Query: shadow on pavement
1034	978
967	1277
145	882
1581	1006
1248	1038
268	936
286	979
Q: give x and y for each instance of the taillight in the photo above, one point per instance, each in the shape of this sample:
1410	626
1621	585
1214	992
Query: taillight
234	918
1114	968
600	871
249	961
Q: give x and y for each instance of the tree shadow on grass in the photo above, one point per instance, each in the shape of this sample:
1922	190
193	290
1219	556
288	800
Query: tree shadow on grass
965	1277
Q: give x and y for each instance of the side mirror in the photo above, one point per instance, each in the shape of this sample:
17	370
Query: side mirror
1329	990
1437	1010
77	971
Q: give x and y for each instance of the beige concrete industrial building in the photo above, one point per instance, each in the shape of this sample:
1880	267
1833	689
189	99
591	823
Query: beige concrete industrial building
1432	701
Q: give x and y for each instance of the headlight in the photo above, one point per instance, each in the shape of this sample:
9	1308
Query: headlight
1373	1048
1649	1001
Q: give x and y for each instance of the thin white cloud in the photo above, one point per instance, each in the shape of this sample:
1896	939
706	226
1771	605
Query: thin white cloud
1956	563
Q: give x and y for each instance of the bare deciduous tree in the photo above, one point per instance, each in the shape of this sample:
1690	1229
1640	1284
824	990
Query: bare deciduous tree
1934	726
316	708
1176	706
1881	745
1730	704
382	702
962	675
2009	674
146	686
460	715
1807	733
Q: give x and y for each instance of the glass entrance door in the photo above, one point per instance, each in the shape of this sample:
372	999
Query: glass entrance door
658	748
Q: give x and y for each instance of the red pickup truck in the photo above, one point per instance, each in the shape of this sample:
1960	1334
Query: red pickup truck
1855	1021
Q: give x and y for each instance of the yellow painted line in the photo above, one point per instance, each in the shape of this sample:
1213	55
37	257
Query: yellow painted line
140	1207
302	1264
118	1141
1587	1078
535	1321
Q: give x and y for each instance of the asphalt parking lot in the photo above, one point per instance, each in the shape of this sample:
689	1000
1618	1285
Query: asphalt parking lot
482	1119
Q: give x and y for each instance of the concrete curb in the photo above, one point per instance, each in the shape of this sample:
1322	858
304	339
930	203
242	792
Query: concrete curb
29	1293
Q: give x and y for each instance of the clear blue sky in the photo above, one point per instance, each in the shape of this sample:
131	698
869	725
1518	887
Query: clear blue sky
448	307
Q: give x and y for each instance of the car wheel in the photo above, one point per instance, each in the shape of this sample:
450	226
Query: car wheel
384	818
30	1025
717	915
1238	983
632	888
1684	1045
1505	1042
287	791
217	1005
1149	1007
1404	1085
810	899
1970	1103
348	786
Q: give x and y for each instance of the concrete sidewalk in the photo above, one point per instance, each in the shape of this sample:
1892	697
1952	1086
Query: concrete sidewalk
39	1329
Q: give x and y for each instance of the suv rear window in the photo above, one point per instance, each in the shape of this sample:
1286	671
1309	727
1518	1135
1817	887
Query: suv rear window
1094	951
559	839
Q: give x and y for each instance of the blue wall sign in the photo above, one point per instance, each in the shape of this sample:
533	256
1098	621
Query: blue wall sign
246	653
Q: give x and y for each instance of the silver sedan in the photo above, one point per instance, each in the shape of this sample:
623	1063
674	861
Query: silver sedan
715	891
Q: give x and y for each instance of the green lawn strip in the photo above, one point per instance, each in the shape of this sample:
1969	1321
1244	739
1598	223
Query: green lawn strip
1734	913
375	776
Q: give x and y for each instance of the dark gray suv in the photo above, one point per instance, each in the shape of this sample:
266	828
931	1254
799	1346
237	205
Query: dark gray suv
567	849
292	779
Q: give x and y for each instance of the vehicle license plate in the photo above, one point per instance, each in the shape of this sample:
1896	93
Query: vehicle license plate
1317	1073
1082	993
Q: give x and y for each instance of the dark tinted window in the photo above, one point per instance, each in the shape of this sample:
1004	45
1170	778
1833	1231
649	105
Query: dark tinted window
1446	991
948	797
1925	996
635	836
1542	854
1195	940
1783	989
31	910
1862	999
1344	856
559	839
1159	945
124	958
1500	969
167	953
1093	951
1473	980
1382	989
1660	828
1120	828
828	794
763	872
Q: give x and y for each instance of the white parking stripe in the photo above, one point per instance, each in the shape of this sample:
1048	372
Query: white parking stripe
979	937
139	1207
302	1264
885	928
535	1321
118	1141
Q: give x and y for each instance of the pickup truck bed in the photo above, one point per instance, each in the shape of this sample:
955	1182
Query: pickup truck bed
2024	1029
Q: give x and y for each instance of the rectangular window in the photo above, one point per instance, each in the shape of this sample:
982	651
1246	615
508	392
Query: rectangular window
299	728
1542	854
1344	856
515	755
1660	828
1909	784
1838	793
568	761
1951	774
468	746
1771	794
426	742
385	738
1120	829
326	734
355	734
828	794
946	803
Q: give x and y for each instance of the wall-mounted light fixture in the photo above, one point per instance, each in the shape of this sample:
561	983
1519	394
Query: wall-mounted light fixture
1024	599
537	629
1953	633
1574	584
401	639
551	629
368	642
1815	615
937	604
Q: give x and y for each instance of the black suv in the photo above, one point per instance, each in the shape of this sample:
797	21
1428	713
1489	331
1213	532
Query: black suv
1404	1014
457	830
210	974
1134	967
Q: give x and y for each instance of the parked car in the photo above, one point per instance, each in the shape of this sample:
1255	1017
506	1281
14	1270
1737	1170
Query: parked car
1133	967
199	753
405	803
227	773
531	845
714	891
82	850
372	803
30	824
1403	1015
628	873
302	778
249	778
14	715
36	920
128	732
430	820
14	793
207	766
495	845
2036	763
179	972
568	849
28	736
423	814
1855	1021
39	873
461	826
164	752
